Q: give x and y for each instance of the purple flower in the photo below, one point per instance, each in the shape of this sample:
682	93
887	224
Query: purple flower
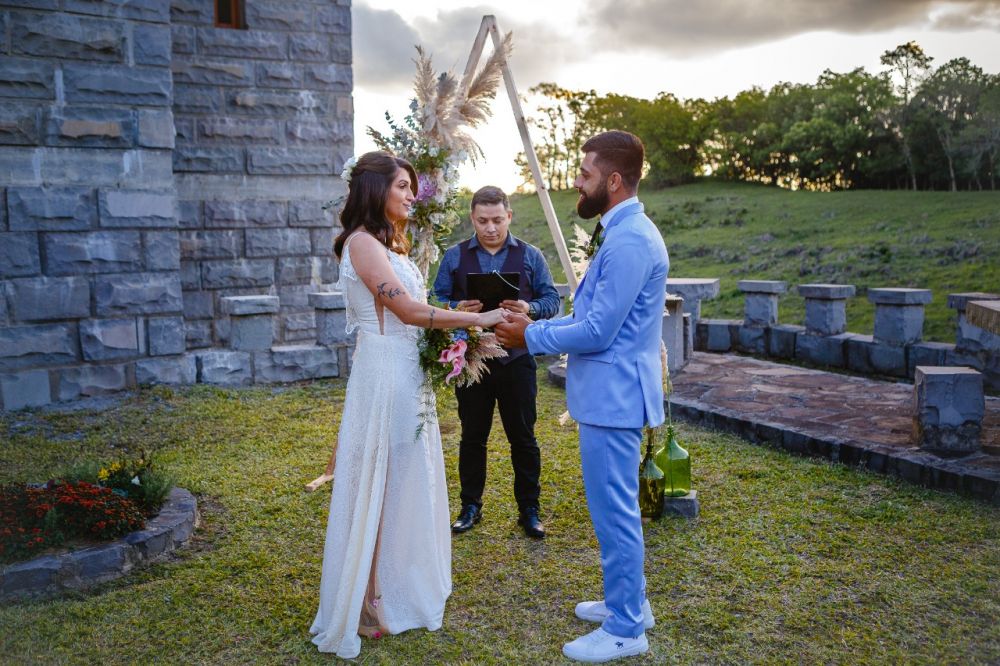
459	334
426	187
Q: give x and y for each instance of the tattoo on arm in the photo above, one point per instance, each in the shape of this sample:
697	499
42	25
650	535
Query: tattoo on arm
388	292
431	325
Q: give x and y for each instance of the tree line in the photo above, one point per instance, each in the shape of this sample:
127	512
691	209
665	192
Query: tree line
909	126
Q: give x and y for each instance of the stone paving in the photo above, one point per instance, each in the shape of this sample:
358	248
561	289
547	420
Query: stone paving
848	419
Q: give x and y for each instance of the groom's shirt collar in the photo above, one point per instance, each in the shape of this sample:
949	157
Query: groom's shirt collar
609	216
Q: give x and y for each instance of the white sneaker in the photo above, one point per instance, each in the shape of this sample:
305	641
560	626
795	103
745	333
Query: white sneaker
599	645
596	611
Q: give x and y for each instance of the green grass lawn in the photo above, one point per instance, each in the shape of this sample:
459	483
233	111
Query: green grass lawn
944	241
792	561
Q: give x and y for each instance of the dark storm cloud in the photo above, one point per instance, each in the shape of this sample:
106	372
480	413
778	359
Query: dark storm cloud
682	27
384	45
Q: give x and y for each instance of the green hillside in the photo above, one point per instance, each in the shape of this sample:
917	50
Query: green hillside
947	242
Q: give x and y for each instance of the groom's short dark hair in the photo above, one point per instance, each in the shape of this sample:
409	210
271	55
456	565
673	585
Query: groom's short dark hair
619	151
488	196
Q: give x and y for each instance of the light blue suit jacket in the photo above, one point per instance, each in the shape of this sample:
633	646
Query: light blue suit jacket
614	376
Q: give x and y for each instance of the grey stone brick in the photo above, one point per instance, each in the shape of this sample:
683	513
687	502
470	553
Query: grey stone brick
198	334
329	77
340	49
309	46
20	124
950	406
197	99
3	32
95	252
248	213
298	131
199	305
151	45
277	242
926	353
327	300
91	380
279	103
279	75
156	128
162	250
19	254
189	214
867	355
43	344
210	160
899	324
238	130
301	270
298	326
20	77
251	333
719	333
289	161
190	275
752	340
331	327
138	293
80	127
166	335
183	38
199	12
211	244
3	209
971	339
309	214
107	339
693	291
285	15
38	299
25	389
137	208
254	304
112	167
156	11
70	36
115	84
51	208
825	350
826	317
295	363
224	367
827	292
212	72
238	273
295	296
182	370
242	43
781	340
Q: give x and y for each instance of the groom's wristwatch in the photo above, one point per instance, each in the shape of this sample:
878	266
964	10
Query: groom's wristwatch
532	311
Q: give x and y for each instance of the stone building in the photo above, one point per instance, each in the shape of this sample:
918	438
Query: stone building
157	157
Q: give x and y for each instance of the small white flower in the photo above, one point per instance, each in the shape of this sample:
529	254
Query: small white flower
136	481
349	165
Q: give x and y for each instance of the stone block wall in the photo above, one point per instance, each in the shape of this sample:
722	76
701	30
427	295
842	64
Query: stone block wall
90	281
264	120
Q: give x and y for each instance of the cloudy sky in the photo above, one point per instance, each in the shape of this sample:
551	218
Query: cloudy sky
642	47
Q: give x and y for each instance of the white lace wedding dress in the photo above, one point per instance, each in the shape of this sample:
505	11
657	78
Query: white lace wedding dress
387	559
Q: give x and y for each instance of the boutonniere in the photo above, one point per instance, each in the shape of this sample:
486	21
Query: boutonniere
594	245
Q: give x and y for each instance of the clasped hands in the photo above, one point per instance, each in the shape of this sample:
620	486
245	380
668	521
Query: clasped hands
508	321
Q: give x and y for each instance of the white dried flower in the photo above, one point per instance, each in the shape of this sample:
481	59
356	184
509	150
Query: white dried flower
349	165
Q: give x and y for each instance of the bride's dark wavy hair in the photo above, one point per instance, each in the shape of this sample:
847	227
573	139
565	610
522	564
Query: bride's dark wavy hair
367	193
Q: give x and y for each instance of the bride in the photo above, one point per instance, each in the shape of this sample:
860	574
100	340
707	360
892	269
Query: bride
387	559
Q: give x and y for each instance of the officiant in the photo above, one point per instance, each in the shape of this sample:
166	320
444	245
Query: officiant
511	383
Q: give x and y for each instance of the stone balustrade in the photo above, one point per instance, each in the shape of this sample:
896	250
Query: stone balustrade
826	307
693	291
761	301
899	315
251	324
673	333
949	406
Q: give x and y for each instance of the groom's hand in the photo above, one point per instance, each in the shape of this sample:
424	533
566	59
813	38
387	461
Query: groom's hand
510	333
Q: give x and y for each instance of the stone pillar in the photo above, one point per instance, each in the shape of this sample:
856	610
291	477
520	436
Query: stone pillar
563	290
331	318
968	337
826	307
761	301
673	332
899	315
693	291
252	326
948	407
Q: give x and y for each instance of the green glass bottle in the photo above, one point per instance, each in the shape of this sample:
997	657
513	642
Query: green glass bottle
676	466
650	482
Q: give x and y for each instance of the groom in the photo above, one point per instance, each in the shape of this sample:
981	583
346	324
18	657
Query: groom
613	381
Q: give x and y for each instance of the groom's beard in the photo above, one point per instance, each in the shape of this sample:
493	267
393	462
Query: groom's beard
595	204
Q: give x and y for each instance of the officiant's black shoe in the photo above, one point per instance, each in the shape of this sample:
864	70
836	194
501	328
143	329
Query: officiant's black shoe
530	522
469	516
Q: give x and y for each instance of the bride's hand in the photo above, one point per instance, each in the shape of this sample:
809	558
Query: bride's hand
490	319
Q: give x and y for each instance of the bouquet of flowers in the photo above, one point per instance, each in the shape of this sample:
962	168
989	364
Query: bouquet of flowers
459	354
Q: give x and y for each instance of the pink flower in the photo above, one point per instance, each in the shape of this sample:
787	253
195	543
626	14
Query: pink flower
426	187
454	354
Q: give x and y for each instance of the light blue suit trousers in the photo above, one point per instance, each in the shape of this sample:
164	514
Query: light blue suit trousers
613	388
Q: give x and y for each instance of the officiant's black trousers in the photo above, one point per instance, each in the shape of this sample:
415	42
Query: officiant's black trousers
511	387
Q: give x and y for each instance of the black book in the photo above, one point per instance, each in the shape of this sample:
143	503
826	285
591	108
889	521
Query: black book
491	288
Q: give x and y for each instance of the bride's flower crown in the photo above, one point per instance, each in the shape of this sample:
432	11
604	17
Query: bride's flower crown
348	171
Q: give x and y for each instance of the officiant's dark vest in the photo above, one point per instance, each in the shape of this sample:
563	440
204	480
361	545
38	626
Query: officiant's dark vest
468	262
